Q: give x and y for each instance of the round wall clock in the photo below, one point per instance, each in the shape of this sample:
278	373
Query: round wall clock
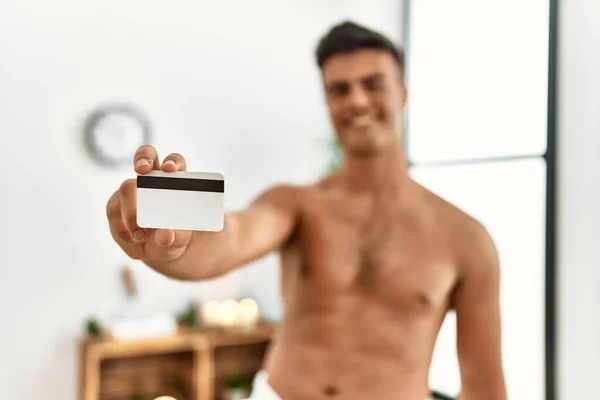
113	133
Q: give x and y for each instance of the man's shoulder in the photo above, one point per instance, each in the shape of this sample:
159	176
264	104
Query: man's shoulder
449	214
470	237
300	197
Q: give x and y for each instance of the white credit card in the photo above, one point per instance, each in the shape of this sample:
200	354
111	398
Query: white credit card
181	200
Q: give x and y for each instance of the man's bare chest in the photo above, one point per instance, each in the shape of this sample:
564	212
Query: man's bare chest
389	255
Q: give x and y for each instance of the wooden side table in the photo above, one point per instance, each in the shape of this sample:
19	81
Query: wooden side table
190	365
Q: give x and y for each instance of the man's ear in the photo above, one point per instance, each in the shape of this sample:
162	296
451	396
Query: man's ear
403	97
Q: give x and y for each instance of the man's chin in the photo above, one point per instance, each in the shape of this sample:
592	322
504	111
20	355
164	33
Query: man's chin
366	142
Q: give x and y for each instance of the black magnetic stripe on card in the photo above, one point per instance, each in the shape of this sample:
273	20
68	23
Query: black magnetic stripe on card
190	184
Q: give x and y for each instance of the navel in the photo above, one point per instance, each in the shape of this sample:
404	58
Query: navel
331	391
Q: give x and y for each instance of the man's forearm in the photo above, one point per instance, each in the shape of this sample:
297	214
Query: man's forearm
247	235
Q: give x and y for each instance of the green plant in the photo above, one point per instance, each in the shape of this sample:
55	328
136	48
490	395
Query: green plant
237	382
335	155
93	327
189	316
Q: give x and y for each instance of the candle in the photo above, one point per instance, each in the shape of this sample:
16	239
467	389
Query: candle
228	313
210	313
248	312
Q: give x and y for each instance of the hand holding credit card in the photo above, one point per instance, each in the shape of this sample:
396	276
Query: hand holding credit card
180	200
154	215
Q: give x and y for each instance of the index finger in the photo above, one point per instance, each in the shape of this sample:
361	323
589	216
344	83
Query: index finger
145	159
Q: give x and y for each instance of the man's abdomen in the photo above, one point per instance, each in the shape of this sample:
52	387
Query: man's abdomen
345	355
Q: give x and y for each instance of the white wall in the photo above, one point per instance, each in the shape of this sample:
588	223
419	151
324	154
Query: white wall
231	85
578	276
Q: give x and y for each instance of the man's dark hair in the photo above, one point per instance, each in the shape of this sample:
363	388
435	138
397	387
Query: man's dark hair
348	36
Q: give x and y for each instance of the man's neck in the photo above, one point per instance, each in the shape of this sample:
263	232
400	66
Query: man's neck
382	172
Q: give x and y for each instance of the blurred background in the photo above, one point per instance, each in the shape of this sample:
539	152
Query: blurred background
502	120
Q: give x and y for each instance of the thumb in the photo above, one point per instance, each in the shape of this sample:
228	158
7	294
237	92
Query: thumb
164	238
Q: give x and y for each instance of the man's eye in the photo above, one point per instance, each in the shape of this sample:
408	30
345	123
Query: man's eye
339	90
373	84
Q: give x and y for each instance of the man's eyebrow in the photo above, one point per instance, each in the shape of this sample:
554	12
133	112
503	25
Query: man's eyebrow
373	76
332	84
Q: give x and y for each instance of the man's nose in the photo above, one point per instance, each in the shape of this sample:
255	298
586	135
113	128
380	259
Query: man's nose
358	98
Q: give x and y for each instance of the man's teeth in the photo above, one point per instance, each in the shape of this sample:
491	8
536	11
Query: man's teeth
361	121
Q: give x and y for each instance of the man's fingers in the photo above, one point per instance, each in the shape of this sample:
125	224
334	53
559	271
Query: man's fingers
115	218
164	237
145	159
174	162
168	238
127	196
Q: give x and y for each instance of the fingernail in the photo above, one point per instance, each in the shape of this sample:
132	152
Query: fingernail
138	234
169	162
142	162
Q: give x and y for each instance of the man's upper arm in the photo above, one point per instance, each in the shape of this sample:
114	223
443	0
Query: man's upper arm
264	226
476	301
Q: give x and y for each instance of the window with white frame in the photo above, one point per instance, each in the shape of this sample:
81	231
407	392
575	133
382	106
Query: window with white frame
476	133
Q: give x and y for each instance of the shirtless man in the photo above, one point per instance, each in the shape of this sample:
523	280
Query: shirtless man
371	261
